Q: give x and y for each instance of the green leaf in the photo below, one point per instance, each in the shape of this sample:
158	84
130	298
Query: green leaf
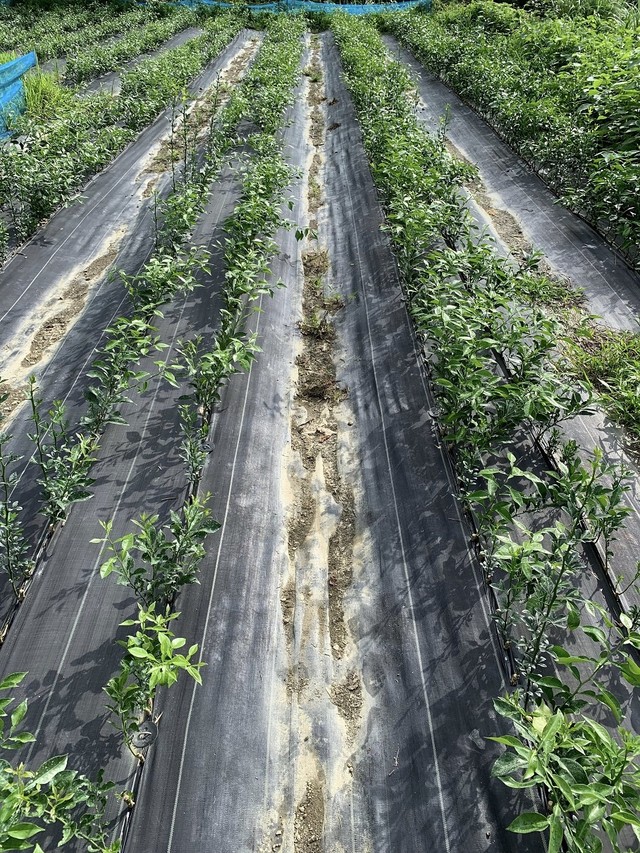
510	782
509	740
556	832
549	681
586	795
23	737
551	730
529	822
50	769
631	672
165	645
611	702
107	568
573	617
596	634
594	813
195	674
569	659
507	764
506	709
626	817
137	652
12	680
18	715
22	831
565	789
575	771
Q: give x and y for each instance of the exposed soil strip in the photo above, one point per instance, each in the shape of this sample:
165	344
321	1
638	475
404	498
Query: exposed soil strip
200	112
505	224
309	820
318	393
321	526
346	695
73	299
54	320
509	229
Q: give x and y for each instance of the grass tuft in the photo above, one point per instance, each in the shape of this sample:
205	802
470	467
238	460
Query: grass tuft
43	94
610	359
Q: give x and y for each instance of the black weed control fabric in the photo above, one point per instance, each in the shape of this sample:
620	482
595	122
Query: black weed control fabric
570	245
430	646
65	631
217	773
235	756
227	771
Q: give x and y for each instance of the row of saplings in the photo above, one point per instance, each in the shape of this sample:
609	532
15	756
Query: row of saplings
55	34
54	154
542	514
157	560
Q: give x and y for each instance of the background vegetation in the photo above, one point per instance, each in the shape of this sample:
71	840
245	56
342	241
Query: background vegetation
561	83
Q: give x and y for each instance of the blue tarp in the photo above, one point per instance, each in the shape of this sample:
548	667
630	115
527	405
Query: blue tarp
11	88
311	6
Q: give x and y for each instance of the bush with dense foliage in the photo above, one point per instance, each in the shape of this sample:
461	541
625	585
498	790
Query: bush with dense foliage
562	88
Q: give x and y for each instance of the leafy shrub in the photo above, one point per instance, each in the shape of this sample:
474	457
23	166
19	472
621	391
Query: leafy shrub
564	92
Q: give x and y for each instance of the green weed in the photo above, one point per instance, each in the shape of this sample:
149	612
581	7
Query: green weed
611	360
43	94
